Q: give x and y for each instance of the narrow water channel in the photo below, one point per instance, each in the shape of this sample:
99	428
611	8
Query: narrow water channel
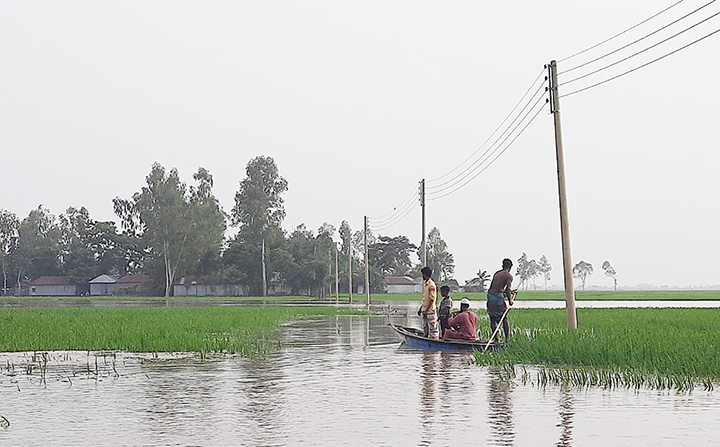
343	381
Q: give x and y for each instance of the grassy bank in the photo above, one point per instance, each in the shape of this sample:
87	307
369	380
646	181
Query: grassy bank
660	348
235	330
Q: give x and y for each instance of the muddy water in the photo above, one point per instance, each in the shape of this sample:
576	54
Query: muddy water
336	382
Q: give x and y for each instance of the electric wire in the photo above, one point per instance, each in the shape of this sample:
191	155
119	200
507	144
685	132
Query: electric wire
455	179
396	210
496	157
620	33
492	134
490	154
400	211
397	221
639	52
640	66
637	40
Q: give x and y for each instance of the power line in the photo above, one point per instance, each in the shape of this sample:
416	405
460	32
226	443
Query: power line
641	66
496	157
397	221
396	210
442	186
638	40
639	52
478	163
493	133
620	33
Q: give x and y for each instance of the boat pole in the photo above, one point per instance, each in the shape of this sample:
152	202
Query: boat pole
562	193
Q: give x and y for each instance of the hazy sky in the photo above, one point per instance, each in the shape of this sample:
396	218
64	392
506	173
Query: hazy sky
357	101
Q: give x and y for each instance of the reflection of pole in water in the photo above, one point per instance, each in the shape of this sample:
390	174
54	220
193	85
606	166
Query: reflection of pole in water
500	415
428	396
565	410
367	330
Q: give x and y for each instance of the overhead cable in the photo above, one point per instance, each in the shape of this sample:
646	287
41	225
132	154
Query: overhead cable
620	33
639	52
478	163
493	133
457	176
637	40
496	157
640	66
396	210
396	221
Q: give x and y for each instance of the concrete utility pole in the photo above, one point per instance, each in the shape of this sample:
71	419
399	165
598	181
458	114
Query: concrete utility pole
424	233
367	268
564	225
337	276
350	270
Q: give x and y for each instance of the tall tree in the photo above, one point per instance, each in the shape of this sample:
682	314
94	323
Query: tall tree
9	225
544	268
259	205
522	270
391	255
533	271
582	270
175	226
610	271
439	259
38	246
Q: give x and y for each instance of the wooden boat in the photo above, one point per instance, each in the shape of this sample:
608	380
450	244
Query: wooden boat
414	338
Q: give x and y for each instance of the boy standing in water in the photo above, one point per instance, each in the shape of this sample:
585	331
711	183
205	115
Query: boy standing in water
445	308
500	289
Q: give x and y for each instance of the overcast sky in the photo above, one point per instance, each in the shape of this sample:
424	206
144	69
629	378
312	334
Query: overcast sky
357	101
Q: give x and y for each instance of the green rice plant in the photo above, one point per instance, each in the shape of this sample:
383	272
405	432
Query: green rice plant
657	348
240	330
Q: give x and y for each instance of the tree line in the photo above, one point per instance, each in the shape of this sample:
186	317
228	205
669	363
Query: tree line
169	229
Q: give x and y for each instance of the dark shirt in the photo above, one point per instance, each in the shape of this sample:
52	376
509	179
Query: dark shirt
501	282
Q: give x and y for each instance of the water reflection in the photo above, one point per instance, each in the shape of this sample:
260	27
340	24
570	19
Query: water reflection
565	410
430	365
500	406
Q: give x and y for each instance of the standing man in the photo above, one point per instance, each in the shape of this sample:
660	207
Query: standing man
445	309
427	309
500	288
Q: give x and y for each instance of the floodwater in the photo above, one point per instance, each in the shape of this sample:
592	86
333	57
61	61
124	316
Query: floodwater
342	381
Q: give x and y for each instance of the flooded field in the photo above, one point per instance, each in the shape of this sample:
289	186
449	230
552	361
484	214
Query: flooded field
342	381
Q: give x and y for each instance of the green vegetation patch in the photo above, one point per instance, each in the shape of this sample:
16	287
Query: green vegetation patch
233	330
659	348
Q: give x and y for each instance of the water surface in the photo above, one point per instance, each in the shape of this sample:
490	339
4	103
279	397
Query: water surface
343	381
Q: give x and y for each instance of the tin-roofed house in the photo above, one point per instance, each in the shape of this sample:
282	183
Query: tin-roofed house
102	285
402	284
55	286
132	284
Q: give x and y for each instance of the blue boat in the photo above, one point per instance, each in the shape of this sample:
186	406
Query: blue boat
414	338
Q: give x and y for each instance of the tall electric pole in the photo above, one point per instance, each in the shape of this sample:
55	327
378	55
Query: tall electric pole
337	276
564	225
424	233
350	270
367	268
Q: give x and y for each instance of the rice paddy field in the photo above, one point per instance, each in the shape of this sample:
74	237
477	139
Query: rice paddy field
559	295
246	331
659	348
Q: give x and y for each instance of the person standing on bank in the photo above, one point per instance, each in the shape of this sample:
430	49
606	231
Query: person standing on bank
500	289
444	309
427	310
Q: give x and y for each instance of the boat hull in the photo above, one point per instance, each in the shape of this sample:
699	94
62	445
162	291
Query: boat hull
414	339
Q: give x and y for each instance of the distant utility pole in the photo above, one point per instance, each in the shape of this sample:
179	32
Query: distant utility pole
424	233
367	268
564	225
337	276
350	270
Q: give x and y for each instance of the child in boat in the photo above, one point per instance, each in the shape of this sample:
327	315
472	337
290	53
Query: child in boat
465	322
445	308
